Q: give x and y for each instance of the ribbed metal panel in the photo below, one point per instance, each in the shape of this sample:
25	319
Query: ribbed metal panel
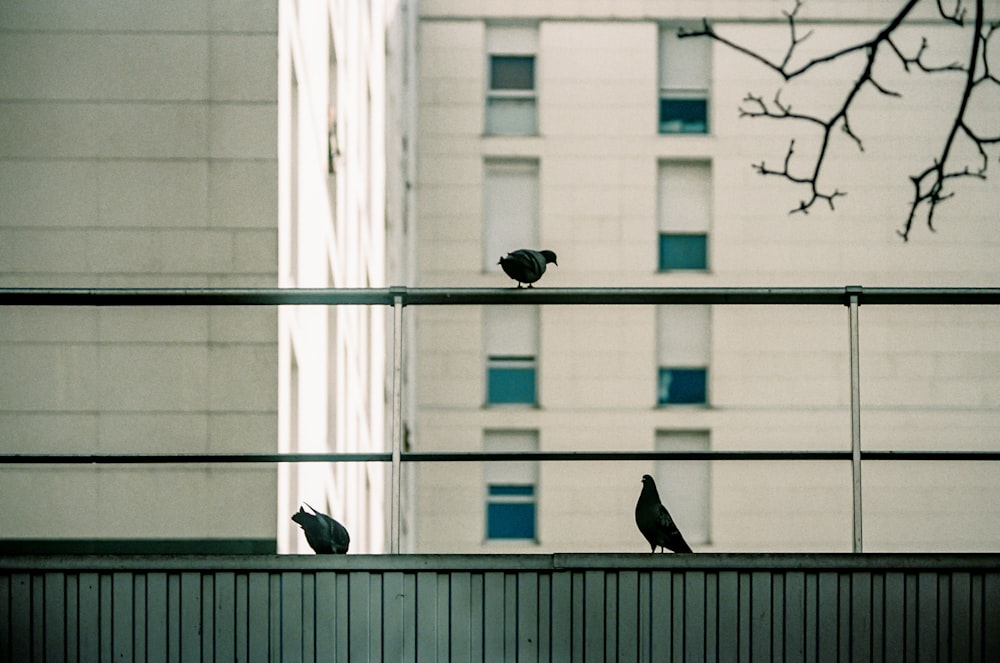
496	608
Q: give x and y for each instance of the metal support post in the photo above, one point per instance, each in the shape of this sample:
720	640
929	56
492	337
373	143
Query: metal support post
397	419
854	293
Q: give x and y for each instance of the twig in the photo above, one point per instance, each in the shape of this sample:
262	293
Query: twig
932	193
929	184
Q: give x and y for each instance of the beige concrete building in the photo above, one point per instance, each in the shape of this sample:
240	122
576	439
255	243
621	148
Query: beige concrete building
201	144
591	130
138	151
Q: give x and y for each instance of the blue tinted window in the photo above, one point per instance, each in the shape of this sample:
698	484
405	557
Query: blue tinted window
683	251
512	72
687	116
682	386
506	491
510	512
510	380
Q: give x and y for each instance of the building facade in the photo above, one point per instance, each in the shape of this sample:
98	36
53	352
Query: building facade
139	151
594	131
335	60
201	145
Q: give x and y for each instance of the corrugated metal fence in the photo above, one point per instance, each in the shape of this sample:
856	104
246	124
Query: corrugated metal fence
573	607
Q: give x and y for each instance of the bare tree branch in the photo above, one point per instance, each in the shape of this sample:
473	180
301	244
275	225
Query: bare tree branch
929	184
956	16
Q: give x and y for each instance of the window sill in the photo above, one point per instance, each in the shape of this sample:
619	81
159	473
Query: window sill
507	137
684	406
511	406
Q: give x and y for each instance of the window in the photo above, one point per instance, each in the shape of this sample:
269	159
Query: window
511	495
683	335
683	251
511	342
684	81
510	208
511	96
682	385
685	486
511	380
684	209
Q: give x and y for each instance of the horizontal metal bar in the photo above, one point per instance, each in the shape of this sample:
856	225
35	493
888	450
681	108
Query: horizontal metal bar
160	459
475	296
931	455
480	456
490	456
500	562
190	296
628	296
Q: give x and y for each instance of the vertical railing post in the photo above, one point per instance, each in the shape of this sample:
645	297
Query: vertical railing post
853	294
397	416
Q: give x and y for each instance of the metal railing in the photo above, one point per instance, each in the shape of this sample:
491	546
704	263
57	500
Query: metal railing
399	297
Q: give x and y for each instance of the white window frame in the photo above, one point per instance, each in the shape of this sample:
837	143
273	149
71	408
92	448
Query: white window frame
685	72
514	41
684	204
510	340
515	473
684	340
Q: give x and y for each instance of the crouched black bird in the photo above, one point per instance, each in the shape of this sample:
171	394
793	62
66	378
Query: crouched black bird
324	534
654	520
527	265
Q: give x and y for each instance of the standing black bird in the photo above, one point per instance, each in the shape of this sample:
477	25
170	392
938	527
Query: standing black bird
324	534
527	265
654	520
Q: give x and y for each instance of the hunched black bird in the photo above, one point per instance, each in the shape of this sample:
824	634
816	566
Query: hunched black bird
324	534
654	520
527	265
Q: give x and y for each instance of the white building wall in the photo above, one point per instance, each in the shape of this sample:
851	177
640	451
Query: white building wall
138	151
778	375
332	77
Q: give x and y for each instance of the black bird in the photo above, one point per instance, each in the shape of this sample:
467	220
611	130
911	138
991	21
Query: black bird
654	520
325	535
527	265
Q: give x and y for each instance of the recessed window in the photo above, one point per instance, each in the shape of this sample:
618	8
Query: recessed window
683	251
685	68
510	335
682	386
511	108
683	340
510	511
684	204
683	112
511	487
512	72
511	380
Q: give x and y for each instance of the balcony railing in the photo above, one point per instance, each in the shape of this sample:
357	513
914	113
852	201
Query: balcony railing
398	297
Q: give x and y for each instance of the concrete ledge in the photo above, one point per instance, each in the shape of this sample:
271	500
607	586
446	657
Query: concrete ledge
553	562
